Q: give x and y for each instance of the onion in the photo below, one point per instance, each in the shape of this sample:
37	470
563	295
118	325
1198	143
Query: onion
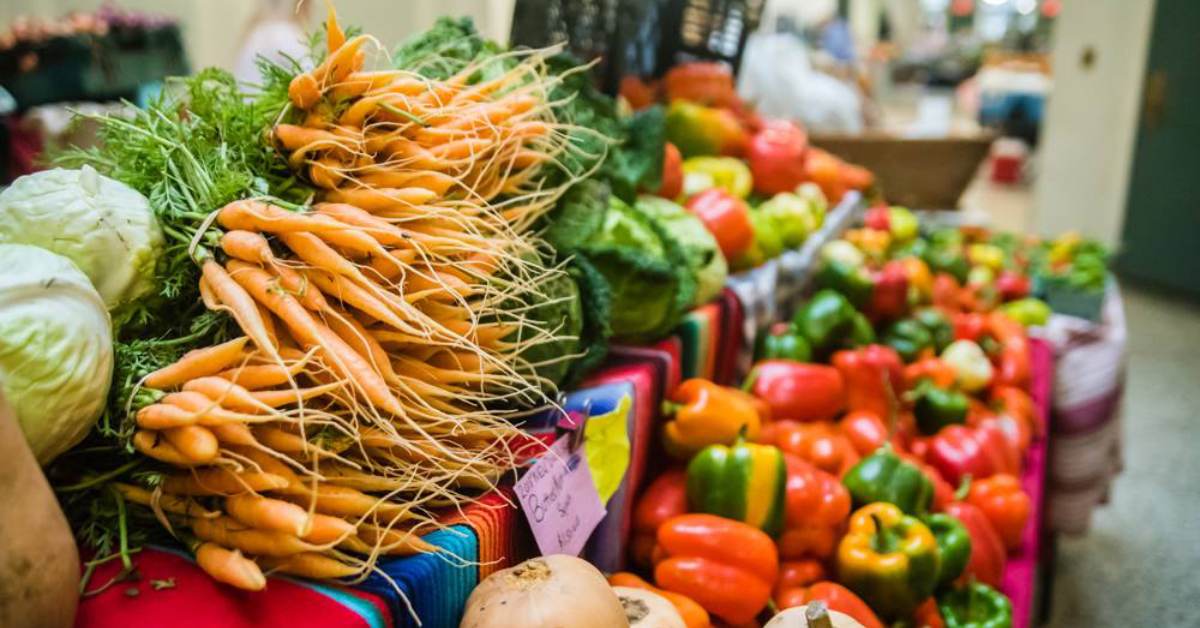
820	617
647	609
546	592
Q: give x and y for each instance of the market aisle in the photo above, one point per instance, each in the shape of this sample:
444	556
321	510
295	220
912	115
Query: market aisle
1137	565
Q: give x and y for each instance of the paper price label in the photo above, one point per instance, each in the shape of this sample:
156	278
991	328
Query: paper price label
560	500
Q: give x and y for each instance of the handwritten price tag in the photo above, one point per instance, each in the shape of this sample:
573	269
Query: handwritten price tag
560	500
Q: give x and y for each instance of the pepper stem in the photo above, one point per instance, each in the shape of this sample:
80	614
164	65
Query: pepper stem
880	542
963	489
816	615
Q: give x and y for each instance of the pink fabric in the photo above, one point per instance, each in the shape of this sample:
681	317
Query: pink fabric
1020	573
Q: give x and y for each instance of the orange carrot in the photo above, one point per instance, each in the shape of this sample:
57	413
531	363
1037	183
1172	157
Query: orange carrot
209	412
198	362
152	444
220	481
240	305
264	513
167	503
256	376
227	393
276	398
247	246
323	529
234	434
380	198
349	293
194	442
228	532
304	91
230	567
394	541
335	37
311	565
160	416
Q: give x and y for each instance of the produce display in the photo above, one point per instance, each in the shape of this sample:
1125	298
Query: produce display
296	332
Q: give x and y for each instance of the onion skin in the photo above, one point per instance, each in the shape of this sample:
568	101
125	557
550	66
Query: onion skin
547	592
647	609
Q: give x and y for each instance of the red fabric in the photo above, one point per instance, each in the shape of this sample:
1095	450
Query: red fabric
199	601
24	147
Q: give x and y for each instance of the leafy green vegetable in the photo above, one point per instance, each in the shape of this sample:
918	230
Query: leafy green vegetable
562	311
577	216
444	50
596	299
705	261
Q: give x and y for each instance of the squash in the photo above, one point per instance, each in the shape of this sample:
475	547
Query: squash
812	615
546	592
647	609
39	565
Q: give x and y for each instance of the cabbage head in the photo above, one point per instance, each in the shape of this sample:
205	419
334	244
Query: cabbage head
102	225
56	352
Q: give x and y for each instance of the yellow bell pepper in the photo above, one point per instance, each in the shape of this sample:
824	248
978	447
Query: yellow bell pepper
728	173
708	414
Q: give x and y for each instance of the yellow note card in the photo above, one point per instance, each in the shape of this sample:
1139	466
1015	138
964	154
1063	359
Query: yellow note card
607	439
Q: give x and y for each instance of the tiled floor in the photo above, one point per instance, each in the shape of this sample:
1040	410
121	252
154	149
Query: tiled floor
1137	565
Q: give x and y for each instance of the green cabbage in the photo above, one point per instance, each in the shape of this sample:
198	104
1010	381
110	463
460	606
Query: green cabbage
104	226
705	260
56	351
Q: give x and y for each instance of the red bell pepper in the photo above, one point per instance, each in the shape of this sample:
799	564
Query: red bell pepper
824	169
878	218
928	615
820	444
817	507
863	371
945	292
726	566
672	173
889	300
727	217
958	451
666	497
1013	363
836	597
1015	402
798	574
798	391
1012	285
704	82
865	431
936	370
776	156
970	326
1004	503
987	550
943	492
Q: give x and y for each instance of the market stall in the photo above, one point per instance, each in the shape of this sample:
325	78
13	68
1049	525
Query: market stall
395	344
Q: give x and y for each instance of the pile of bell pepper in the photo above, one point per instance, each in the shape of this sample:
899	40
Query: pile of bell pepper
871	458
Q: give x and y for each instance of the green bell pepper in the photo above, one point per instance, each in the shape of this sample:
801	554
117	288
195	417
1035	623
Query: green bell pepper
908	337
783	342
889	559
948	259
938	324
936	408
794	218
884	477
768	242
975	605
902	224
861	331
1029	311
853	281
824	319
954	546
917	247
746	482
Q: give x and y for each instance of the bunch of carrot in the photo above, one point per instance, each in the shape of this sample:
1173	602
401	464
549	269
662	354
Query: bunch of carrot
384	327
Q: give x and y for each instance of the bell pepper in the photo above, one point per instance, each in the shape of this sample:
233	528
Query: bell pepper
726	173
987	550
987	255
889	558
1012	285
782	341
885	477
692	614
819	443
797	574
842	251
877	218
1029	311
943	493
945	292
666	497
1012	367
948	260
889	297
793	216
971	364
701	82
776	156
825	170
699	130
975	605
934	370
1004	503
797	390
902	224
957	451
928	615
726	566
1016	402
706	414
954	546
672	173
727	218
861	333
863	371
920	279
836	597
817	506
852	281
745	482
871	242
864	430
909	338
768	243
938	325
936	408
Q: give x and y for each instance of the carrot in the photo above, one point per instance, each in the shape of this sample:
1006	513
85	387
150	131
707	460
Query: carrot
382	198
341	62
234	434
287	442
220	481
276	398
227	393
343	501
228	532
247	246
257	216
304	91
297	285
350	293
195	442
309	332
198	362
208	412
160	416
230	567
437	182
258	376
264	513
361	340
326	172
394	542
359	83
335	37
311	565
323	529
470	147
240	305
386	233
152	444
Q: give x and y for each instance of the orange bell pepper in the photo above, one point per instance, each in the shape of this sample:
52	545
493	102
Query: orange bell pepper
945	292
817	507
1005	505
1012	368
863	371
935	370
666	497
928	615
1017	403
726	566
865	431
836	597
818	443
693	615
708	414
798	574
